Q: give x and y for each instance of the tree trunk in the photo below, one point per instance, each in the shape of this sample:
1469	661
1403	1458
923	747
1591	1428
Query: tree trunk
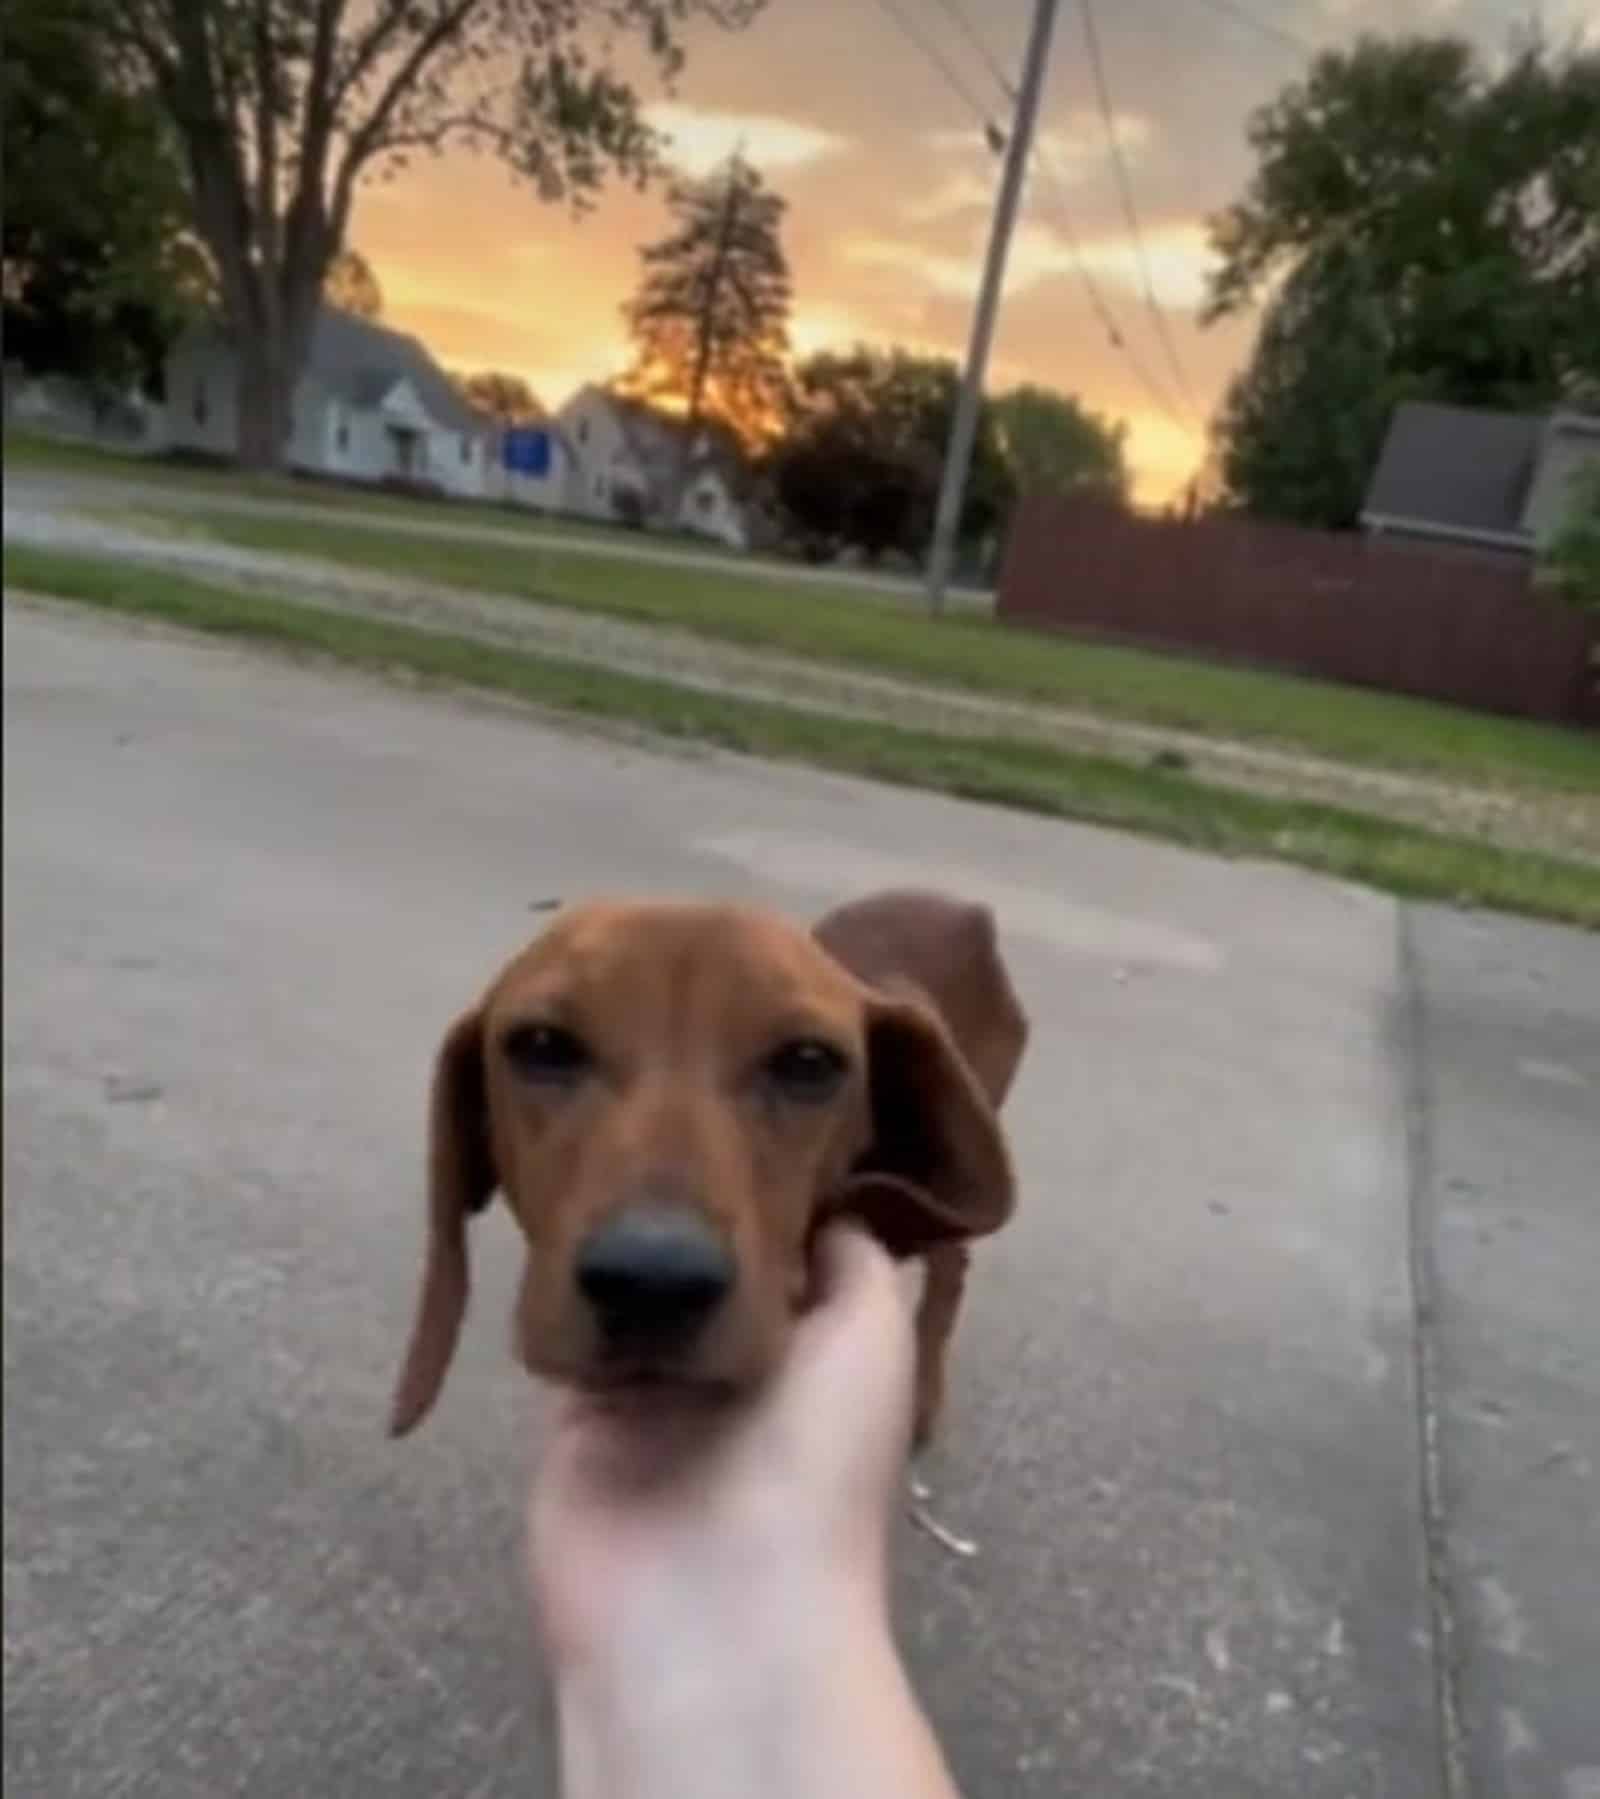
264	396
271	354
703	351
270	258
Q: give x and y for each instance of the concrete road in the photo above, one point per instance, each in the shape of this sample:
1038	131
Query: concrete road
241	901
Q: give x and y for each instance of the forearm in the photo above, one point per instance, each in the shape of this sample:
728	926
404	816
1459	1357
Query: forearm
826	1712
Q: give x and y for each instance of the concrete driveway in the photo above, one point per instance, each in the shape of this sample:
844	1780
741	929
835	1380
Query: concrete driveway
1215	1554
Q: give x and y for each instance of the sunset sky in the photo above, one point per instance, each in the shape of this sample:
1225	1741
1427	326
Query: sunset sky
890	188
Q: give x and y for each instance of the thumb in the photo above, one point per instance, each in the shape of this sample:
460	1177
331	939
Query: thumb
858	1320
850	1271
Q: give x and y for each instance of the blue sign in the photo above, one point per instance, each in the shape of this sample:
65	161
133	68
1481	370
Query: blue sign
526	451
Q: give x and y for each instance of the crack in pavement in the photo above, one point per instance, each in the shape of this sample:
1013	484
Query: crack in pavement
1445	1645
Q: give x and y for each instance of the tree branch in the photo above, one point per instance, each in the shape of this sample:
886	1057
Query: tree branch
265	60
369	50
433	135
304	236
222	203
130	20
367	138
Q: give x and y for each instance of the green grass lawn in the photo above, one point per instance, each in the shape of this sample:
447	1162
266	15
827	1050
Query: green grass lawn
800	616
367	506
828	625
1028	775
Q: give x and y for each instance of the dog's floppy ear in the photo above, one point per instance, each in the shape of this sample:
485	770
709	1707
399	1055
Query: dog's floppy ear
936	1169
946	1034
945	949
461	1180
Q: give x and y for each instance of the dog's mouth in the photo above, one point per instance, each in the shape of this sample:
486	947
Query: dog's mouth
636	1377
638	1374
648	1391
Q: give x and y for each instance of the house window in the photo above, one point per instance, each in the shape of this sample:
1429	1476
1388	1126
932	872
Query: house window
341	436
704	499
466	449
599	487
583	431
202	407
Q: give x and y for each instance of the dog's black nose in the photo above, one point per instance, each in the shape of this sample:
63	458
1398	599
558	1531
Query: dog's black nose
653	1272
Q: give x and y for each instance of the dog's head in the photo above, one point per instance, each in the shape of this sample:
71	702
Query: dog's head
672	1097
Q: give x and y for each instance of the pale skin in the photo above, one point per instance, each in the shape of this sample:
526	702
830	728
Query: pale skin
711	1579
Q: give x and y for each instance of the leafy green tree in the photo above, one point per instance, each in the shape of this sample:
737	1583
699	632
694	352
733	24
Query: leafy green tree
1054	444
1300	428
351	285
506	399
859	465
1571	564
1421	227
97	273
710	322
282	107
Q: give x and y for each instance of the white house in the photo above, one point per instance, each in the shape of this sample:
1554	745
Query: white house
371	405
64	406
550	488
625	462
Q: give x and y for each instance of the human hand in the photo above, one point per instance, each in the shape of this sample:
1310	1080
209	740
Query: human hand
677	1537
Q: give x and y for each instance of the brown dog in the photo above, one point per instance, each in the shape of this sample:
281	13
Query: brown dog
672	1097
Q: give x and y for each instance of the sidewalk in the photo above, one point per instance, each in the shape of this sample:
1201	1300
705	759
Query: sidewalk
1506	1048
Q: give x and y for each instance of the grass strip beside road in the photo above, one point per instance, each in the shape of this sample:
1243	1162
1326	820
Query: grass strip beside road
363	505
1031	776
868	632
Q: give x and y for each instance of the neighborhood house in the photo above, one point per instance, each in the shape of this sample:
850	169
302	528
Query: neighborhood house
372	405
627	459
1497	480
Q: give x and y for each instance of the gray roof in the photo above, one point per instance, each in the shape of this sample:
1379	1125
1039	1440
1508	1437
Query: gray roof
360	362
656	439
1455	468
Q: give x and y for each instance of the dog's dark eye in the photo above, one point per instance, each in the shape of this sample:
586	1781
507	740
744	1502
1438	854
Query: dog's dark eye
806	1069
545	1052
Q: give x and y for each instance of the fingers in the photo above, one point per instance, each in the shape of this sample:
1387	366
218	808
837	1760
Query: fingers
858	1334
856	1289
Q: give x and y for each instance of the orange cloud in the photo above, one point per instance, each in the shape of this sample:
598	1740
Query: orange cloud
1177	255
700	138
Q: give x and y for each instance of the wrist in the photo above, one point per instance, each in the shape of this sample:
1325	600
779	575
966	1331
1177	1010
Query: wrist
681	1706
679	1639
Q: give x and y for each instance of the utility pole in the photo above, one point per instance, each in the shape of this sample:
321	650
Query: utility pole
958	452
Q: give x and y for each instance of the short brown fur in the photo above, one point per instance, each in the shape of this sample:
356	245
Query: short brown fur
679	1005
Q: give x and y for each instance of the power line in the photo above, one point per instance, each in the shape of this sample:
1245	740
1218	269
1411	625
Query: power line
1263	27
996	140
976	38
1098	302
1091	37
933	54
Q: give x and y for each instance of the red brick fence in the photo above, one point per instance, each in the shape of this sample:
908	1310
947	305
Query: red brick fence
1463	626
